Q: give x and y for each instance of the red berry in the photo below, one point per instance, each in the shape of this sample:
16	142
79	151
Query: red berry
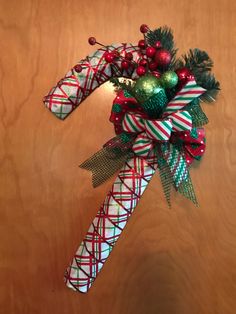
92	41
152	65
141	44
144	28
78	68
109	57
140	70
157	74
143	62
129	56
125	64
158	44
150	52
163	57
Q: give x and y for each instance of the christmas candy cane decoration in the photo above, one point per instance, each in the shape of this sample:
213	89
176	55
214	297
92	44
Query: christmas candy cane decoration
158	124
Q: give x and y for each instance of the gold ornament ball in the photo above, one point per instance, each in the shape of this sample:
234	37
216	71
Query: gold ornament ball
146	86
169	79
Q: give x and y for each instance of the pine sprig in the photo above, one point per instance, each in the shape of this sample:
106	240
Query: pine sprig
165	36
212	86
200	64
196	60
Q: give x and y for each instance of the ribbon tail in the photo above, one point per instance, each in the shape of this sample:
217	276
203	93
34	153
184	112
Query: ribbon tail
174	171
187	190
104	163
166	178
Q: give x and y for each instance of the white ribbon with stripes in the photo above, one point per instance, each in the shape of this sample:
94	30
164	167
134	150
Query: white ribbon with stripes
151	131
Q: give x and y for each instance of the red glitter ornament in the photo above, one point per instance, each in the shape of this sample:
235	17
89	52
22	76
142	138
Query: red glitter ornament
144	28
150	52
129	56
92	41
141	44
78	68
183	74
109	57
163	57
125	64
140	70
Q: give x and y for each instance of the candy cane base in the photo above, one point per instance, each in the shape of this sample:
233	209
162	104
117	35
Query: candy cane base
109	222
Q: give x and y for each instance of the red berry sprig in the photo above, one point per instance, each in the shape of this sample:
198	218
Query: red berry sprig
142	44
144	28
141	70
150	52
78	68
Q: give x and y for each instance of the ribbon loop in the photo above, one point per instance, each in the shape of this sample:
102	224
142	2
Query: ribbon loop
158	130
182	121
133	123
142	145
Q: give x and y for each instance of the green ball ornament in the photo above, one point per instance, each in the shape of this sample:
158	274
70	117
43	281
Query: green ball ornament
169	79
151	95
146	86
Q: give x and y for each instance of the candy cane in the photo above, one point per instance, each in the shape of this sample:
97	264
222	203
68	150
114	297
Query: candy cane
136	173
129	185
76	86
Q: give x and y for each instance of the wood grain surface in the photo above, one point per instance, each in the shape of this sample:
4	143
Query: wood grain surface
178	261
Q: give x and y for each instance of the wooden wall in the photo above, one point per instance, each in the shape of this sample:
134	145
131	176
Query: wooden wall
178	261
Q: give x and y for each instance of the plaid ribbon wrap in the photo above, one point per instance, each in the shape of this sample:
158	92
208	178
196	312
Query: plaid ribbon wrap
70	91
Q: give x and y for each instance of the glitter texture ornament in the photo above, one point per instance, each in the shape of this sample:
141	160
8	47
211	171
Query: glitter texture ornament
169	79
146	86
163	57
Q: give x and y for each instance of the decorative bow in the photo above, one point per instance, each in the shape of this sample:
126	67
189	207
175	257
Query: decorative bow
151	131
173	139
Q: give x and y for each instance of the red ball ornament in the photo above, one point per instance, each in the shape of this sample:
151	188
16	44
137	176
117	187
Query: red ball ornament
150	52
78	68
157	74
129	56
109	57
140	70
144	28
183	74
125	64
163	57
141	44
143	62
152	65
158	44
92	41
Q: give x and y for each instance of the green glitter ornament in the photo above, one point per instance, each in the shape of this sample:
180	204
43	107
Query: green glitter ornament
169	79
146	86
151	95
